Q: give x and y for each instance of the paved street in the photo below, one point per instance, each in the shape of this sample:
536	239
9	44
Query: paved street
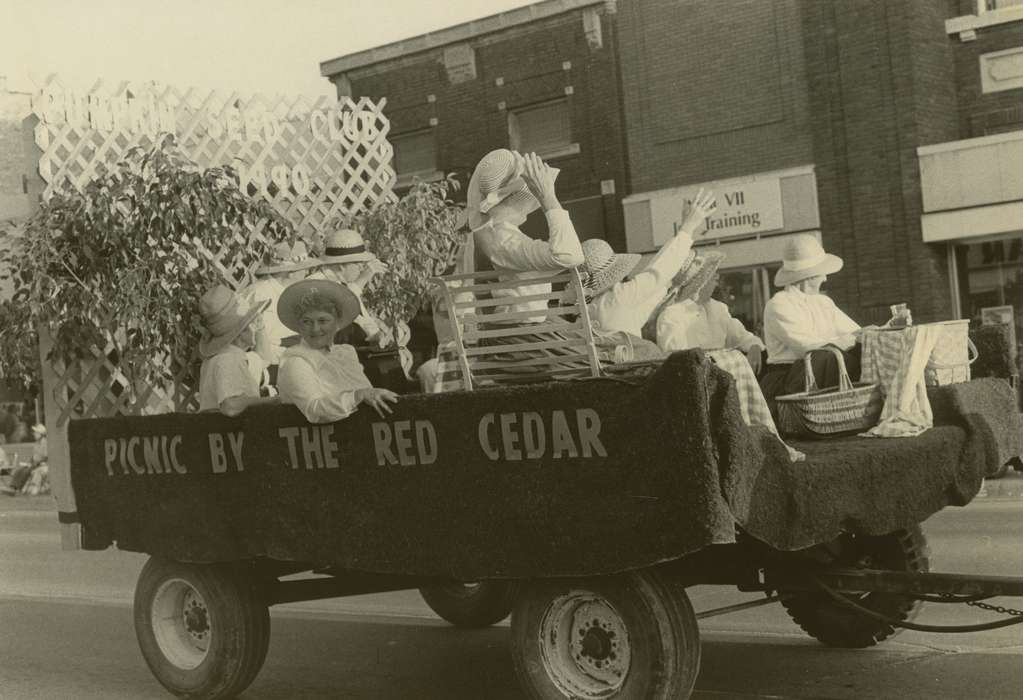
66	632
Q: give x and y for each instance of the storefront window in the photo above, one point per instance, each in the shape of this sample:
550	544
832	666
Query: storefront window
990	277
746	291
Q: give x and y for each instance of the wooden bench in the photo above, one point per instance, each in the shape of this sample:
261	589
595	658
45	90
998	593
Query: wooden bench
478	324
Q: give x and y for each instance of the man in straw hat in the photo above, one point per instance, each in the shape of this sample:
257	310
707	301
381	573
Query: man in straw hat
346	260
230	375
693	319
800	318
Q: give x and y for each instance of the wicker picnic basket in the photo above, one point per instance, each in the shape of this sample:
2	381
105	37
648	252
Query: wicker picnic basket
817	413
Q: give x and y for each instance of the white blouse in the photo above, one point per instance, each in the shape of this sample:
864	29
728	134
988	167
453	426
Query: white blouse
628	304
321	384
687	324
795	323
518	256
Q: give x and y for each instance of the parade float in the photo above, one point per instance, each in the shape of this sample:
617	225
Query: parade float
583	504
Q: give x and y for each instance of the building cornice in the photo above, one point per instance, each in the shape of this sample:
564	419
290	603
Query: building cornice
456	34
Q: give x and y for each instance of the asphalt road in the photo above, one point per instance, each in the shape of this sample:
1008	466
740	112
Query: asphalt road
66	633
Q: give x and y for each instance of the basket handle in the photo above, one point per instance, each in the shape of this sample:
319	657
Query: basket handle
973	351
844	382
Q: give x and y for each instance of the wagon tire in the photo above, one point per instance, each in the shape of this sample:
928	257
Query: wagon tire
631	636
835	625
203	629
472	605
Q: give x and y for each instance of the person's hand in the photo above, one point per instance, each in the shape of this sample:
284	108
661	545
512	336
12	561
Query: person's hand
755	358
539	178
378	399
695	212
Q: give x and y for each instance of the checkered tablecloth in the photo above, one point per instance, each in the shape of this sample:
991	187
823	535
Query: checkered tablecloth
896	360
751	399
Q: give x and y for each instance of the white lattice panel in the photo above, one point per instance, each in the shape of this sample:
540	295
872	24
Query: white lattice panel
312	159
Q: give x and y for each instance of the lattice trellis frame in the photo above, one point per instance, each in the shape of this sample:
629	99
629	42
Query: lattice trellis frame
346	174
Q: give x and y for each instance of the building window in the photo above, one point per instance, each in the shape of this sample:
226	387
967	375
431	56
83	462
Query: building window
415	155
544	129
746	291
989	277
992	5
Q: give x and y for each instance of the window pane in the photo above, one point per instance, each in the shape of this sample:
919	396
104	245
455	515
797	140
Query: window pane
990	275
415	153
542	128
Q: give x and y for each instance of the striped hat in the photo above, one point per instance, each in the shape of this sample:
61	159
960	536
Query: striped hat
497	178
602	268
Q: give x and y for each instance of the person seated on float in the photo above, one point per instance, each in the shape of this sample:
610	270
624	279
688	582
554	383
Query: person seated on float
620	307
229	378
346	260
286	262
692	318
323	379
800	318
504	189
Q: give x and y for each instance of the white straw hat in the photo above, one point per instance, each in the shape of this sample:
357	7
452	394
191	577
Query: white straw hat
344	301
344	246
803	258
602	267
497	178
698	270
225	315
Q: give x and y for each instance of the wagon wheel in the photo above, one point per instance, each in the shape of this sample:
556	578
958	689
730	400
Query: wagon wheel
632	636
203	629
479	604
836	625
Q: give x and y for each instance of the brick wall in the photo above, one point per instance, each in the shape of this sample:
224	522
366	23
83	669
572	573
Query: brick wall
712	94
530	63
879	86
996	112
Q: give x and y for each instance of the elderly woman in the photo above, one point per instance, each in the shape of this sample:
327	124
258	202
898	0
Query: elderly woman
693	319
326	381
801	318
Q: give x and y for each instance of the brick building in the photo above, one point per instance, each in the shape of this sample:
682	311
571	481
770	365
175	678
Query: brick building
541	78
893	130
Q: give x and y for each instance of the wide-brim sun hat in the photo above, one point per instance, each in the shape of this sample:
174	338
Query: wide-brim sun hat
696	273
804	257
497	179
603	268
288	258
225	315
343	246
346	303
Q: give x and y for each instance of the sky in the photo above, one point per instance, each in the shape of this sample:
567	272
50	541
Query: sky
270	46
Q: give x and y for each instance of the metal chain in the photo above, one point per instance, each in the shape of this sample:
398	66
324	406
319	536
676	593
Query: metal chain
996	608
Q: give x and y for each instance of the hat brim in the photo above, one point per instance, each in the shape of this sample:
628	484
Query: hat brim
364	256
344	300
711	261
211	345
623	264
829	266
288	267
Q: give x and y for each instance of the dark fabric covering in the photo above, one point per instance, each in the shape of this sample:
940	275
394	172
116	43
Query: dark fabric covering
680	469
876	485
995	356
